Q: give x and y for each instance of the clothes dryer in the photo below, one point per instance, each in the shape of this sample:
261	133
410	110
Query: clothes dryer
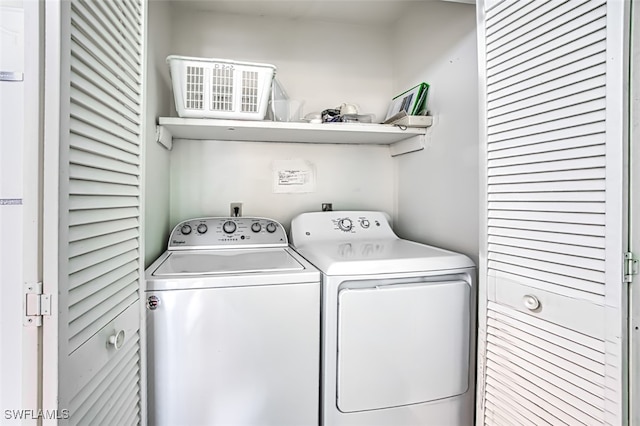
398	323
233	327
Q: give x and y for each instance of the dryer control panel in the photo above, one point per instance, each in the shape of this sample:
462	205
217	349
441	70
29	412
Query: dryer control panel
208	233
340	225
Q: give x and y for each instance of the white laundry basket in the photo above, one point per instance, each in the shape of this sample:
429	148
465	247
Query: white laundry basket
220	88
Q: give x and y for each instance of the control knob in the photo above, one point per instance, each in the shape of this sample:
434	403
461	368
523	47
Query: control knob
202	228
256	227
271	227
365	223
229	227
345	224
186	229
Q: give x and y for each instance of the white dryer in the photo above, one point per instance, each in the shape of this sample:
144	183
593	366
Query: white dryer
398	323
233	327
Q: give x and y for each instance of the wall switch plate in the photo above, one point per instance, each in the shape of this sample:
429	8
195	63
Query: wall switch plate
235	210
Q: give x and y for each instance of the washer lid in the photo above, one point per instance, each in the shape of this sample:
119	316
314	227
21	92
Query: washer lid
383	256
213	262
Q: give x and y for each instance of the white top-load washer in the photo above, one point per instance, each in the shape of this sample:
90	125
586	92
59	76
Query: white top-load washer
233	326
397	323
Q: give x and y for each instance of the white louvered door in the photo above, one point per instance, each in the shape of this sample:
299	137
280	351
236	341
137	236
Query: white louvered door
552	299
92	342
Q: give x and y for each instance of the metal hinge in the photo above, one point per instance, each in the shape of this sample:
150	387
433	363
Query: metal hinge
630	267
36	305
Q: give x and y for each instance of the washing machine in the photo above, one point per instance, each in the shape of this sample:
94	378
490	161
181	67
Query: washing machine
398	322
233	327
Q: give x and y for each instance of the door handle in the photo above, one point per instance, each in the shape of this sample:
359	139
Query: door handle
117	339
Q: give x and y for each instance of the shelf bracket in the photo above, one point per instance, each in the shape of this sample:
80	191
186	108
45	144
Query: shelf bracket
413	144
164	137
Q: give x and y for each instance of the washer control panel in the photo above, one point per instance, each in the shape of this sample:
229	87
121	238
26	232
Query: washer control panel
225	232
340	225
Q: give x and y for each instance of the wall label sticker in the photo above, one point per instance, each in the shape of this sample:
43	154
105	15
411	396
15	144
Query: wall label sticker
293	176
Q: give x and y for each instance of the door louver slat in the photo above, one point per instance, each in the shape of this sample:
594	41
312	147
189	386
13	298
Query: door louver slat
553	33
89	202
88	274
83	401
83	232
560	372
83	247
574	383
573	341
104	14
559	147
545	105
536	271
103	77
585	129
99	24
92	139
554	237
579	81
523	396
503	14
557	227
93	97
562	122
564	60
100	255
552	176
101	162
82	217
536	282
111	127
86	289
564	345
86	326
575	196
506	400
548	247
88	173
93	150
548	187
564	259
126	389
85	187
98	41
496	415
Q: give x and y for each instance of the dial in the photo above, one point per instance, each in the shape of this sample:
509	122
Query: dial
271	227
256	227
365	223
229	227
186	229
202	228
345	224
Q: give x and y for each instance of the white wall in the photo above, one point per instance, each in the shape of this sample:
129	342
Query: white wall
156	164
323	64
206	176
432	194
13	212
437	200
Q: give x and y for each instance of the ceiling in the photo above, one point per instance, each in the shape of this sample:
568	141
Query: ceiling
350	11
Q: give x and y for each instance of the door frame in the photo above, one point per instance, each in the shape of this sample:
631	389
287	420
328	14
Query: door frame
634	220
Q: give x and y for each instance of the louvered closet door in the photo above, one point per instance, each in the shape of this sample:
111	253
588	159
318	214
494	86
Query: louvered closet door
553	307
99	375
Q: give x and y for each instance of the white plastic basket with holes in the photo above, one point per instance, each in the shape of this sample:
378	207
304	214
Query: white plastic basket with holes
220	88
